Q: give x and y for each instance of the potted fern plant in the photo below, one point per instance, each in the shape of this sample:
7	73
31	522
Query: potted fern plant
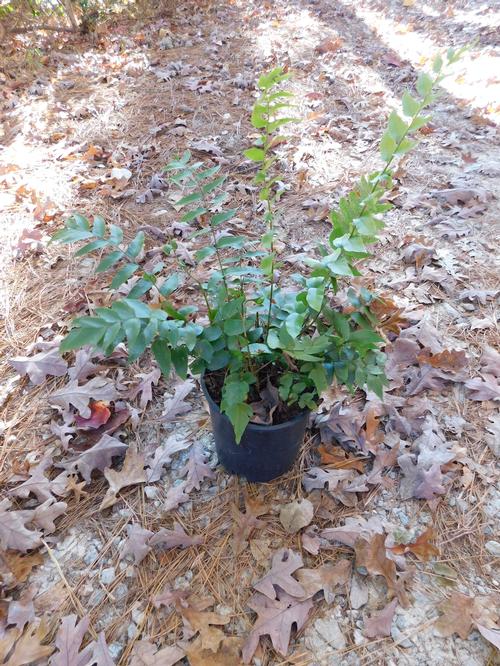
266	347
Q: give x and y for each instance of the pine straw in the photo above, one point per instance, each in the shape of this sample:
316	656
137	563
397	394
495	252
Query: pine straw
120	119
216	571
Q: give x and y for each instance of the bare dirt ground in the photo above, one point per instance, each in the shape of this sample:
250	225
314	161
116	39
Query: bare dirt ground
72	111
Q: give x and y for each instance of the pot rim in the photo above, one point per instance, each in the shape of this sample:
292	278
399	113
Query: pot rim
251	425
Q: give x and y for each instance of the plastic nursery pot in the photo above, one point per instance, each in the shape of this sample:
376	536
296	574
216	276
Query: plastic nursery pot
264	452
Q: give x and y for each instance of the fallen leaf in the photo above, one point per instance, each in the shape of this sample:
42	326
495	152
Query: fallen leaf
421	547
22	611
145	653
13	531
64	432
379	624
196	468
68	640
487	388
296	515
44	515
491	635
340	461
99	415
97	457
21	565
176	406
98	388
245	523
449	359
490	361
432	446
427	377
330	578
419	482
174	538
284	563
175	496
311	541
261	551
24	647
40	485
275	618
130	474
117	419
101	655
329	45
135	543
456	616
319	478
145	387
41	365
204	146
264	409
202	621
228	653
163	456
76	488
371	554
83	366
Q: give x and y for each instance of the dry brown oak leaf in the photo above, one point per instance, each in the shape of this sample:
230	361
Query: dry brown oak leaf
100	652
39	485
146	653
177	405
379	624
196	468
296	515
68	640
98	388
163	456
461	613
245	523
330	578
40	365
13	531
487	388
174	538
372	555
145	387
284	563
135	543
24	647
20	565
275	618
98	457
228	653
130	474
202	621
421	547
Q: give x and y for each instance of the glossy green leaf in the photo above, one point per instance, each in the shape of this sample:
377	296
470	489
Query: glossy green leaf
108	261
387	147
123	275
410	105
91	247
396	127
239	415
162	355
255	154
136	245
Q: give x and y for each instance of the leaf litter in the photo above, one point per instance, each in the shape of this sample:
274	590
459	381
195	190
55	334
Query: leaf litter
403	447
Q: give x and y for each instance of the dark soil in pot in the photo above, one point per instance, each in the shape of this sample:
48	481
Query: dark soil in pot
265	451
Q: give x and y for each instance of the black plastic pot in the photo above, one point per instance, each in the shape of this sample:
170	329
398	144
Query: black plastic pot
264	452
